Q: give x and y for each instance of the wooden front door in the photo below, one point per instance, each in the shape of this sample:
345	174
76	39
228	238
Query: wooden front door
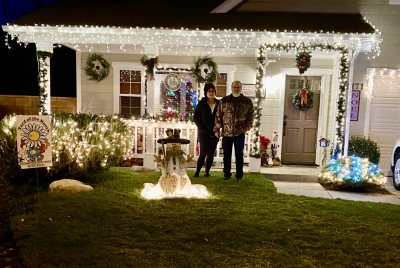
300	128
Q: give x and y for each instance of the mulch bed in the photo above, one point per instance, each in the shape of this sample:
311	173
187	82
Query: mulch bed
8	252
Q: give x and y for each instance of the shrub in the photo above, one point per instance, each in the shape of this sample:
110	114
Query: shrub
82	144
364	148
353	173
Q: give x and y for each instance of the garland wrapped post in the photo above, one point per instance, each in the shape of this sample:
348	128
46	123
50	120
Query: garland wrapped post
149	65
255	146
343	77
303	98
97	68
303	61
210	71
42	77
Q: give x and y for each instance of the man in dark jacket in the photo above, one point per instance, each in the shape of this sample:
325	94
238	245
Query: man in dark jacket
235	117
204	118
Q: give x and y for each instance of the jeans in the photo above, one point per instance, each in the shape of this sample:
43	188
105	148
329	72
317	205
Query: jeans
238	142
207	149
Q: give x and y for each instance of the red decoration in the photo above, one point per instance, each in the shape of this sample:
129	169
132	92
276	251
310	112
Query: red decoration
264	142
304	96
97	67
205	70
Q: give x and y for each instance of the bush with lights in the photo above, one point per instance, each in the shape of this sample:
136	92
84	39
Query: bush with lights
351	173
82	144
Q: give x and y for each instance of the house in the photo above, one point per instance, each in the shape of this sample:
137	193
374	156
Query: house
255	42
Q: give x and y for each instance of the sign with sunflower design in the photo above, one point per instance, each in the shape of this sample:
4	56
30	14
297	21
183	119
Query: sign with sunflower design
34	141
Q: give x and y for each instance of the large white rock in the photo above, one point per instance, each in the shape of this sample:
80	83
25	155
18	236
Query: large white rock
68	186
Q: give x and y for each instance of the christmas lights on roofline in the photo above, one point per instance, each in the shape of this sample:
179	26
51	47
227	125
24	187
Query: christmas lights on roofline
182	40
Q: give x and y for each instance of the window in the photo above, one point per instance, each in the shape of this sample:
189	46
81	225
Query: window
221	85
130	93
128	89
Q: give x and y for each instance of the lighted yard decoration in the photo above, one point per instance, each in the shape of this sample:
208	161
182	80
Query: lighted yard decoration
352	172
174	182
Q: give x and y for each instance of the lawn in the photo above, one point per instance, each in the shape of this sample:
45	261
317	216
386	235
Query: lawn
246	224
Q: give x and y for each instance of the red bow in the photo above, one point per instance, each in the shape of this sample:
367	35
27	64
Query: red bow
303	94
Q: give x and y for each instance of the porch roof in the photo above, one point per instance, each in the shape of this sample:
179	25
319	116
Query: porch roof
191	15
183	26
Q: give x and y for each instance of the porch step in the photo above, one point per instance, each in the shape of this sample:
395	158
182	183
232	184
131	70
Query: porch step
292	177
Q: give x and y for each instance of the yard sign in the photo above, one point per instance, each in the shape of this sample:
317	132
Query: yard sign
34	141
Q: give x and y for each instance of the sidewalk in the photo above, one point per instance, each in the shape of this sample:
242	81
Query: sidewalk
300	180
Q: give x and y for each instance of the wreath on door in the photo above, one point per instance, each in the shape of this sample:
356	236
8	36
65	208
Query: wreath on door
303	99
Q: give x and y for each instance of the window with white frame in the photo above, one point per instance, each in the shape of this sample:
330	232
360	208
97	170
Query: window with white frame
128	87
130	93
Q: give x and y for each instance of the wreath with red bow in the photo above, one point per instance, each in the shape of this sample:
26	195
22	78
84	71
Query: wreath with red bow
210	70
303	99
303	61
149	65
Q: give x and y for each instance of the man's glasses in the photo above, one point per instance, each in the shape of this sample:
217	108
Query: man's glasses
211	91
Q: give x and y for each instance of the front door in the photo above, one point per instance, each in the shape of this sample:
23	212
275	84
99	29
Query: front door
300	128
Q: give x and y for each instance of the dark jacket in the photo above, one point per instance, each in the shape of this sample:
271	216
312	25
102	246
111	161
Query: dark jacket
235	115
203	118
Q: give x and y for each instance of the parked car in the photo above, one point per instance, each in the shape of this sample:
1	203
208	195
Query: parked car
395	162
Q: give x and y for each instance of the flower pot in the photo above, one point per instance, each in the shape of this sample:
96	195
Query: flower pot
255	165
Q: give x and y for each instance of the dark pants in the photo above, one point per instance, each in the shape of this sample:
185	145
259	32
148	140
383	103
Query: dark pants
227	143
207	149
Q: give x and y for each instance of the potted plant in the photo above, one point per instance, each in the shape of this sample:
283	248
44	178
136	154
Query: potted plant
264	142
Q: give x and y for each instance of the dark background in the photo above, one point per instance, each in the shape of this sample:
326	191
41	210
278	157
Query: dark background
18	65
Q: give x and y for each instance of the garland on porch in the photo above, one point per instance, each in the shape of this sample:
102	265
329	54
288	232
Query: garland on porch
97	68
343	82
303	61
43	70
255	146
211	71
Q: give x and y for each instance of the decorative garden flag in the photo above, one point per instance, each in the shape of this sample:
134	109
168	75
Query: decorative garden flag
34	141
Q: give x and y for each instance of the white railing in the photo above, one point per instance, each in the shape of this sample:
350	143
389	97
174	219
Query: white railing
146	133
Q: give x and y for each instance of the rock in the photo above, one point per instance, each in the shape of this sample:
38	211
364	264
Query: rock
68	186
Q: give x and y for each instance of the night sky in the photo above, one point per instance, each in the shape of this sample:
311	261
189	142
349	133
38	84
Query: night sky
18	65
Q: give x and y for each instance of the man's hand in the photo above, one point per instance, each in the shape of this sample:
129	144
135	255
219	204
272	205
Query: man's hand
217	134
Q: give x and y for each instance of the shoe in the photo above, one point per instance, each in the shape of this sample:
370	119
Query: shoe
239	179
226	178
207	175
196	175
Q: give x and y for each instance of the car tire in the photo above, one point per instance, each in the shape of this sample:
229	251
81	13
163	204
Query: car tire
396	172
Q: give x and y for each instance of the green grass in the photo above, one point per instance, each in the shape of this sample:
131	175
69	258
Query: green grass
243	224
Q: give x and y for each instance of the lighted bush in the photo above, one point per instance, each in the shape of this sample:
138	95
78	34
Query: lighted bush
351	173
8	148
82	144
364	148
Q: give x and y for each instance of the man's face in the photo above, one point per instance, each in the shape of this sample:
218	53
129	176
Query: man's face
236	88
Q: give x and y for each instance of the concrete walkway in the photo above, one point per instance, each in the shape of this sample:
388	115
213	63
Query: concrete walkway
302	180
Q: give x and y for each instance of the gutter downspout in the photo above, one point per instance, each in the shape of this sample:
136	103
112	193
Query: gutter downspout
348	102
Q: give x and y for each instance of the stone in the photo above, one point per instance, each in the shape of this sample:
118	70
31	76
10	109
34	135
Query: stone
68	186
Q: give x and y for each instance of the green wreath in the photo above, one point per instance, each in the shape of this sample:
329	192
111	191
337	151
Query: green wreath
97	68
303	99
210	75
303	61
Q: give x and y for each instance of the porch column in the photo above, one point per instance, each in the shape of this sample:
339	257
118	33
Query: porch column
44	51
151	51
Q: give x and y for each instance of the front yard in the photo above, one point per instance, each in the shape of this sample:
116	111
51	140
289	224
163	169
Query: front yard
245	224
